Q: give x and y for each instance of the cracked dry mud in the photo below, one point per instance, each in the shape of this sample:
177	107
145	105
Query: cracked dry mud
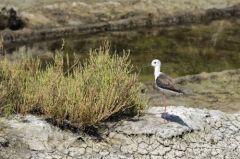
189	133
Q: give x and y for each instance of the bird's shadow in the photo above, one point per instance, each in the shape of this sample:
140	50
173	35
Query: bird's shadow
174	118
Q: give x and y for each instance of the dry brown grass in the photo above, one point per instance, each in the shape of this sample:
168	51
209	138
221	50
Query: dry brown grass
84	93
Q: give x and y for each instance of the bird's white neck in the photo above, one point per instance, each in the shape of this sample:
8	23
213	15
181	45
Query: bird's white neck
156	71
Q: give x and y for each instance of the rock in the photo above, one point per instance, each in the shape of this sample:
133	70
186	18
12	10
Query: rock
190	133
9	19
3	142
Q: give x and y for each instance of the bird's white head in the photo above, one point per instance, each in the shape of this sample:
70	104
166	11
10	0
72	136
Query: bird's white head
156	63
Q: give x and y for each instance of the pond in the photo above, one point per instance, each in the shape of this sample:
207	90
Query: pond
183	50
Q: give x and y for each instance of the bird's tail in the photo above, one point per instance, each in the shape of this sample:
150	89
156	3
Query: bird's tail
185	92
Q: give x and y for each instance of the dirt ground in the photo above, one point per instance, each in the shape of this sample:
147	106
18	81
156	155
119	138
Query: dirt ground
218	90
56	13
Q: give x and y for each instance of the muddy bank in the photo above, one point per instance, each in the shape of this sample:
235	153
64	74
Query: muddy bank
188	133
87	22
217	90
57	13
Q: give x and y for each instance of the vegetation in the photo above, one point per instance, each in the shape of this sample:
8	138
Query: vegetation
198	48
83	93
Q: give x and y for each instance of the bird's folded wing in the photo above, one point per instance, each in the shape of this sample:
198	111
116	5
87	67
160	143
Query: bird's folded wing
165	82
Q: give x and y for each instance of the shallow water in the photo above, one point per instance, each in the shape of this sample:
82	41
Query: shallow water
183	50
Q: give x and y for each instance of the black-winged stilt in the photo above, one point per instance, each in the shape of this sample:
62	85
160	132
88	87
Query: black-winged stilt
163	82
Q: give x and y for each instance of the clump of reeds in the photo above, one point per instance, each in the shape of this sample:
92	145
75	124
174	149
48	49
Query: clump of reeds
85	93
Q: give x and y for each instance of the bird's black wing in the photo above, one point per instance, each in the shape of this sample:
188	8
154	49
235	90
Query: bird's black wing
165	82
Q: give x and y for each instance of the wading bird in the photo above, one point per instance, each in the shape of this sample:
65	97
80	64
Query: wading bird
164	83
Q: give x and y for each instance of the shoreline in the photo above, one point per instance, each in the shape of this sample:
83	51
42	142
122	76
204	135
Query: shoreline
215	90
26	35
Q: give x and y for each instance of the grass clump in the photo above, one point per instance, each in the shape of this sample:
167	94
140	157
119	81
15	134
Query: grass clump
84	93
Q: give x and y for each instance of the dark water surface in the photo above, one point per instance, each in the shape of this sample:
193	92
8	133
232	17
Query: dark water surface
183	50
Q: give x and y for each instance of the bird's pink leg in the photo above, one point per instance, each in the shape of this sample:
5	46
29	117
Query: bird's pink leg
165	107
165	103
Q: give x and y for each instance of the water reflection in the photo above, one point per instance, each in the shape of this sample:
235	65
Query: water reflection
182	50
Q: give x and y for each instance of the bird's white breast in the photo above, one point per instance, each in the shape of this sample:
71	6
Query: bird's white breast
156	74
